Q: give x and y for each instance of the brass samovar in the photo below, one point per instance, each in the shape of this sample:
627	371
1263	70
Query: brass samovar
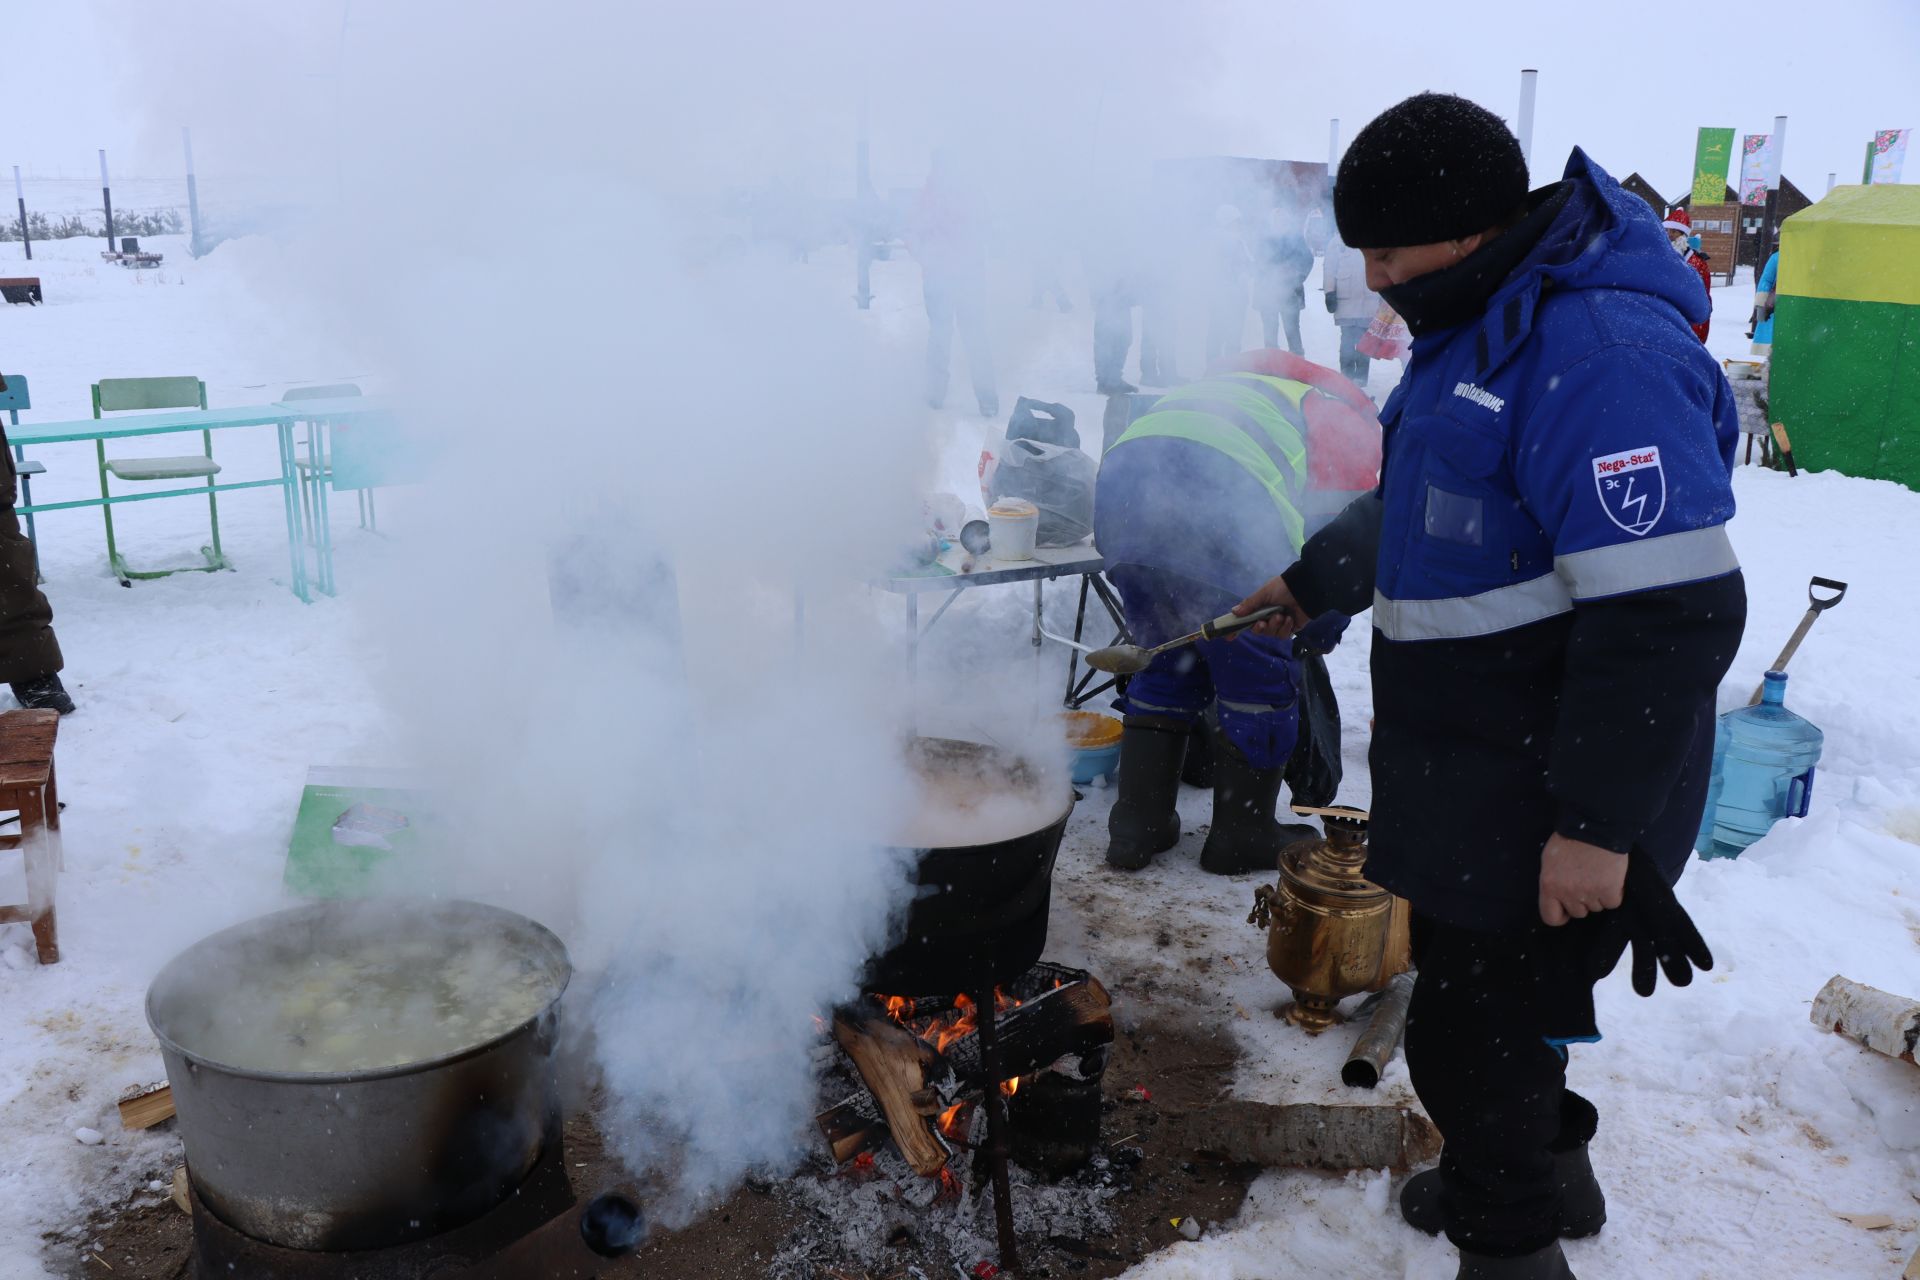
1331	932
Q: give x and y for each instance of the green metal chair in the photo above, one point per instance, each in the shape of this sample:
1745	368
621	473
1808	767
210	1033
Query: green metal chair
13	400
316	470
119	395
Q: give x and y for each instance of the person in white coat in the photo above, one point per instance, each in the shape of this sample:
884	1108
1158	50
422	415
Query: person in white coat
1343	278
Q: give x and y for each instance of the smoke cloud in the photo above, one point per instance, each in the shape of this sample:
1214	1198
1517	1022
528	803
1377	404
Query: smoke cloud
629	641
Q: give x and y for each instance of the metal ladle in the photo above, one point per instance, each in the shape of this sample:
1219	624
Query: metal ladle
1130	659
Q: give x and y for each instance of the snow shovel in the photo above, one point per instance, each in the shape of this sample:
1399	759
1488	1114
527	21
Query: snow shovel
1816	605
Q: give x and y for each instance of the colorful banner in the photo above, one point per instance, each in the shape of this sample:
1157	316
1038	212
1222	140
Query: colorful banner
1887	155
1756	158
1712	157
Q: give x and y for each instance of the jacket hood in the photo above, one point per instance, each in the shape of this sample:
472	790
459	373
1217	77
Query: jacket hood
1605	238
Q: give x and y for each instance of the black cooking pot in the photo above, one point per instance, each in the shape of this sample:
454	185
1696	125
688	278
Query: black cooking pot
980	912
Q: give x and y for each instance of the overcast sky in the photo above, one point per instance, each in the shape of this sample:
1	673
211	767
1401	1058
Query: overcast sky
1629	81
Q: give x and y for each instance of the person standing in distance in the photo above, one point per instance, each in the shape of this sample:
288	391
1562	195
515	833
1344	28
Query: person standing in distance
1555	601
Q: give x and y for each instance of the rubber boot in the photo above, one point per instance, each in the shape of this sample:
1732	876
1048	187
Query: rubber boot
1144	821
1198	770
1546	1264
1583	1206
1244	836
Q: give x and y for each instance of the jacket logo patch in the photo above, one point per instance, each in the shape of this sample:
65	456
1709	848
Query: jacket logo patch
1632	488
1480	396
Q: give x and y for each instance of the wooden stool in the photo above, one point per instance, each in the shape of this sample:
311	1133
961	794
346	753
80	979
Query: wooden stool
26	785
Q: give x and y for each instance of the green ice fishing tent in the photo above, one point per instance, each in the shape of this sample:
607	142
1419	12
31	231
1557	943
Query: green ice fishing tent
1845	377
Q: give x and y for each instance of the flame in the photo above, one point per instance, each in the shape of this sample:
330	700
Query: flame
899	1008
950	1120
949	1185
1010	1087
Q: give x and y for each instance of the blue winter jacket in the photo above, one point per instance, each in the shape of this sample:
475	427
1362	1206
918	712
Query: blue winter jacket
1555	597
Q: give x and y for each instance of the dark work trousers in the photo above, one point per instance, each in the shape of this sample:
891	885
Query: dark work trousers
27	644
1353	364
1478	1053
1112	336
1159	335
1226	323
958	303
1270	322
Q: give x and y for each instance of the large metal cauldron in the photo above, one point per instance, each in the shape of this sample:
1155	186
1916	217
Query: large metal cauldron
980	909
369	1159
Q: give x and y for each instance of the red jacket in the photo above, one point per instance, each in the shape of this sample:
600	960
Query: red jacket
1699	263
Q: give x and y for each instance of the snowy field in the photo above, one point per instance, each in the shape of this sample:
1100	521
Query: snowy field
1734	1136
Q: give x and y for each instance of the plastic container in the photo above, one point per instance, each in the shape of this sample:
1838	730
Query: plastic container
1763	765
1095	740
1013	528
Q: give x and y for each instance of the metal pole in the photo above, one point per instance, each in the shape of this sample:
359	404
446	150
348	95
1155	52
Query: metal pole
106	197
1529	79
999	1143
20	194
1831	179
193	195
1773	194
863	203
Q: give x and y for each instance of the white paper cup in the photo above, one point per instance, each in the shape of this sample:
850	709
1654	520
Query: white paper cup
1013	524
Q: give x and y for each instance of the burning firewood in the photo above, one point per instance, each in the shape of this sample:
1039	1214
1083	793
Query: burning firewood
895	1065
921	1083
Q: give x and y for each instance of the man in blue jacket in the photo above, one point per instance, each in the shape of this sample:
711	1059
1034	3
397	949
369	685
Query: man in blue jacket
1555	601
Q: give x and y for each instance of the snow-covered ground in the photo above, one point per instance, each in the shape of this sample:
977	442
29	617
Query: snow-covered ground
1734	1134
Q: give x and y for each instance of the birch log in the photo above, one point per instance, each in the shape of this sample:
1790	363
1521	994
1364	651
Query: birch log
1884	1023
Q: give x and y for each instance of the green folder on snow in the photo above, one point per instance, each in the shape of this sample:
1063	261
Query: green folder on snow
351	824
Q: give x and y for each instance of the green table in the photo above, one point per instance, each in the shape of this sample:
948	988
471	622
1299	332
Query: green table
363	447
126	426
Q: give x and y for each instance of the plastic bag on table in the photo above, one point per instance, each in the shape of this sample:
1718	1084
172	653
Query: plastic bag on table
1058	479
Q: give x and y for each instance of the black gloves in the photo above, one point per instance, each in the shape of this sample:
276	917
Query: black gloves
1659	929
1333	304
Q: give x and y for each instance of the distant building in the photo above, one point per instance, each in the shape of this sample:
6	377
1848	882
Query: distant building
1718	226
1790	201
1644	189
1734	237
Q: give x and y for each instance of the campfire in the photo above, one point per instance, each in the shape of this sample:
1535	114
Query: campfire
937	1076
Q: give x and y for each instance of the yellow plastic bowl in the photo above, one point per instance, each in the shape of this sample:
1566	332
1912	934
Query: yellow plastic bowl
1091	731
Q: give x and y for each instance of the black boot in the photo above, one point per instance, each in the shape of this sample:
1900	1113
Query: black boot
1546	1264
1583	1206
43	693
1144	821
1198	770
1244	836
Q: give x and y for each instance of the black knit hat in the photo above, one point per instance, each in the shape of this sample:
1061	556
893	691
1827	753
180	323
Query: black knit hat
1431	168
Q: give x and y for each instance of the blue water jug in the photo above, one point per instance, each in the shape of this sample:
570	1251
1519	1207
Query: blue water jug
1763	763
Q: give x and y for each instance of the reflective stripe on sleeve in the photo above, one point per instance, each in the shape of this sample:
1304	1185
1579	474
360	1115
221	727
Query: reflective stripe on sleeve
1693	556
1460	617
